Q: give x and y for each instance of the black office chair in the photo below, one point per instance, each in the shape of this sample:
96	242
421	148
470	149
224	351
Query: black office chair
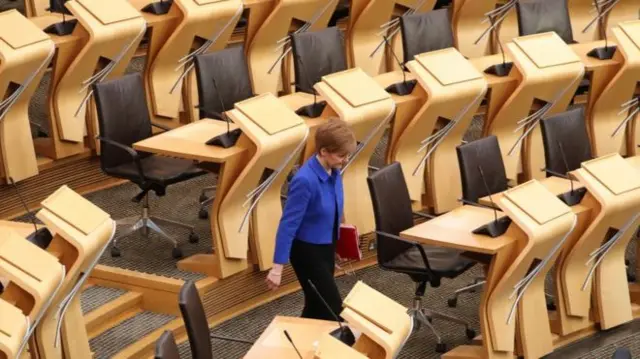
195	321
342	12
223	79
123	119
424	264
424	32
316	54
166	347
538	16
622	353
442	4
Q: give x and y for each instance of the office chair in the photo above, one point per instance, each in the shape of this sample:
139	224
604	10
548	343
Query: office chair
538	16
166	347
622	353
316	54
424	32
123	119
422	263
229	69
195	321
342	12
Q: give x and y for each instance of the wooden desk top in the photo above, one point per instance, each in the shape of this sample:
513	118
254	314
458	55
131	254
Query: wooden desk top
21	228
188	142
591	63
555	185
634	161
390	78
304	333
453	230
482	63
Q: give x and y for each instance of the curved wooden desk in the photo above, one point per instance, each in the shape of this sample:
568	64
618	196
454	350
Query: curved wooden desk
452	100
623	11
262	52
13	328
551	80
25	52
468	17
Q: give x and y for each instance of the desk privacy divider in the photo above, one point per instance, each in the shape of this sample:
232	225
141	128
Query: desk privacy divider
595	267
212	22
13	328
277	136
426	147
367	109
82	233
25	52
550	73
517	305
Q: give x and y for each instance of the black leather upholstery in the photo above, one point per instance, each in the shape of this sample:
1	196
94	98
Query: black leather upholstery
195	320
622	353
426	32
538	16
442	4
484	152
393	214
567	129
123	119
230	71
166	347
316	54
342	11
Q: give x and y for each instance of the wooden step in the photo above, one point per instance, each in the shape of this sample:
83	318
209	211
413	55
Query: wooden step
113	313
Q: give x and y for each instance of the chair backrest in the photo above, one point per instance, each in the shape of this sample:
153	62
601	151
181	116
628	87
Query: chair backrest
426	32
123	116
622	353
316	54
566	130
195	320
538	16
166	347
229	69
483	153
391	209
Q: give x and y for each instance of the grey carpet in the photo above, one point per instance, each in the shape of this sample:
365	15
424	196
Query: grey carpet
96	296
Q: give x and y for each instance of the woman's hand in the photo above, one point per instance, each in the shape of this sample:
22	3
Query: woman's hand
274	277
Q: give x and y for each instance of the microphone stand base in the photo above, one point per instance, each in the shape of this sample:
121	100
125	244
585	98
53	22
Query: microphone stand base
61	28
494	229
500	70
602	53
574	197
402	88
344	335
41	238
225	140
158	8
312	111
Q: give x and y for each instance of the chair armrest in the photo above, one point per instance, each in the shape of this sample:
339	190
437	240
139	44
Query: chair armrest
424	215
133	153
162	127
420	249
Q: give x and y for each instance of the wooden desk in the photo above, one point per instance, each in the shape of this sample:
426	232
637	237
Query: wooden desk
188	142
21	228
304	333
555	185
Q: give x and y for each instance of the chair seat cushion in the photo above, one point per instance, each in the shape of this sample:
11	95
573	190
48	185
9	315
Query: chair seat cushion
445	262
159	170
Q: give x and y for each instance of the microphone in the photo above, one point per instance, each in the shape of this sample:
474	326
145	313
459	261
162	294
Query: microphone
316	108
61	28
229	138
286	334
343	334
402	88
572	197
503	69
497	227
158	8
606	52
40	237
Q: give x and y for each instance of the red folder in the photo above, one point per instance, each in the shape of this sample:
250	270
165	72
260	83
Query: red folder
348	246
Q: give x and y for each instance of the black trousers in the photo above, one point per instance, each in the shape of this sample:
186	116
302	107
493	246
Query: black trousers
316	262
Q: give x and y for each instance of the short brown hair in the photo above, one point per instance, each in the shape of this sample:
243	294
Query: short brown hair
335	136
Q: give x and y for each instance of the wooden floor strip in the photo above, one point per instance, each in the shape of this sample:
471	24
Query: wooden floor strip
113	313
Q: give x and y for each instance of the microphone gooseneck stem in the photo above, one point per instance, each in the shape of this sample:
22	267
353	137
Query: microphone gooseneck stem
215	85
404	75
566	165
486	187
333	314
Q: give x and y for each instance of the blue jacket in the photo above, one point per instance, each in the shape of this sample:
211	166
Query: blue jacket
310	211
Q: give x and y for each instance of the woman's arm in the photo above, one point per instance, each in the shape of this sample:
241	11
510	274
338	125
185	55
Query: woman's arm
294	210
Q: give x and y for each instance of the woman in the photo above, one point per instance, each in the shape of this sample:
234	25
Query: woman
311	219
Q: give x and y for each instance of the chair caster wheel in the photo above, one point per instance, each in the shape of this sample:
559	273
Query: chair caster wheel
193	238
203	198
203	214
631	278
452	302
441	348
551	306
176	253
470	333
115	252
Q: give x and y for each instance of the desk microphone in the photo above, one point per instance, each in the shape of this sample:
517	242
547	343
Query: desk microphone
40	237
60	28
286	334
503	69
229	138
316	108
158	8
343	333
497	227
401	88
572	197
606	52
